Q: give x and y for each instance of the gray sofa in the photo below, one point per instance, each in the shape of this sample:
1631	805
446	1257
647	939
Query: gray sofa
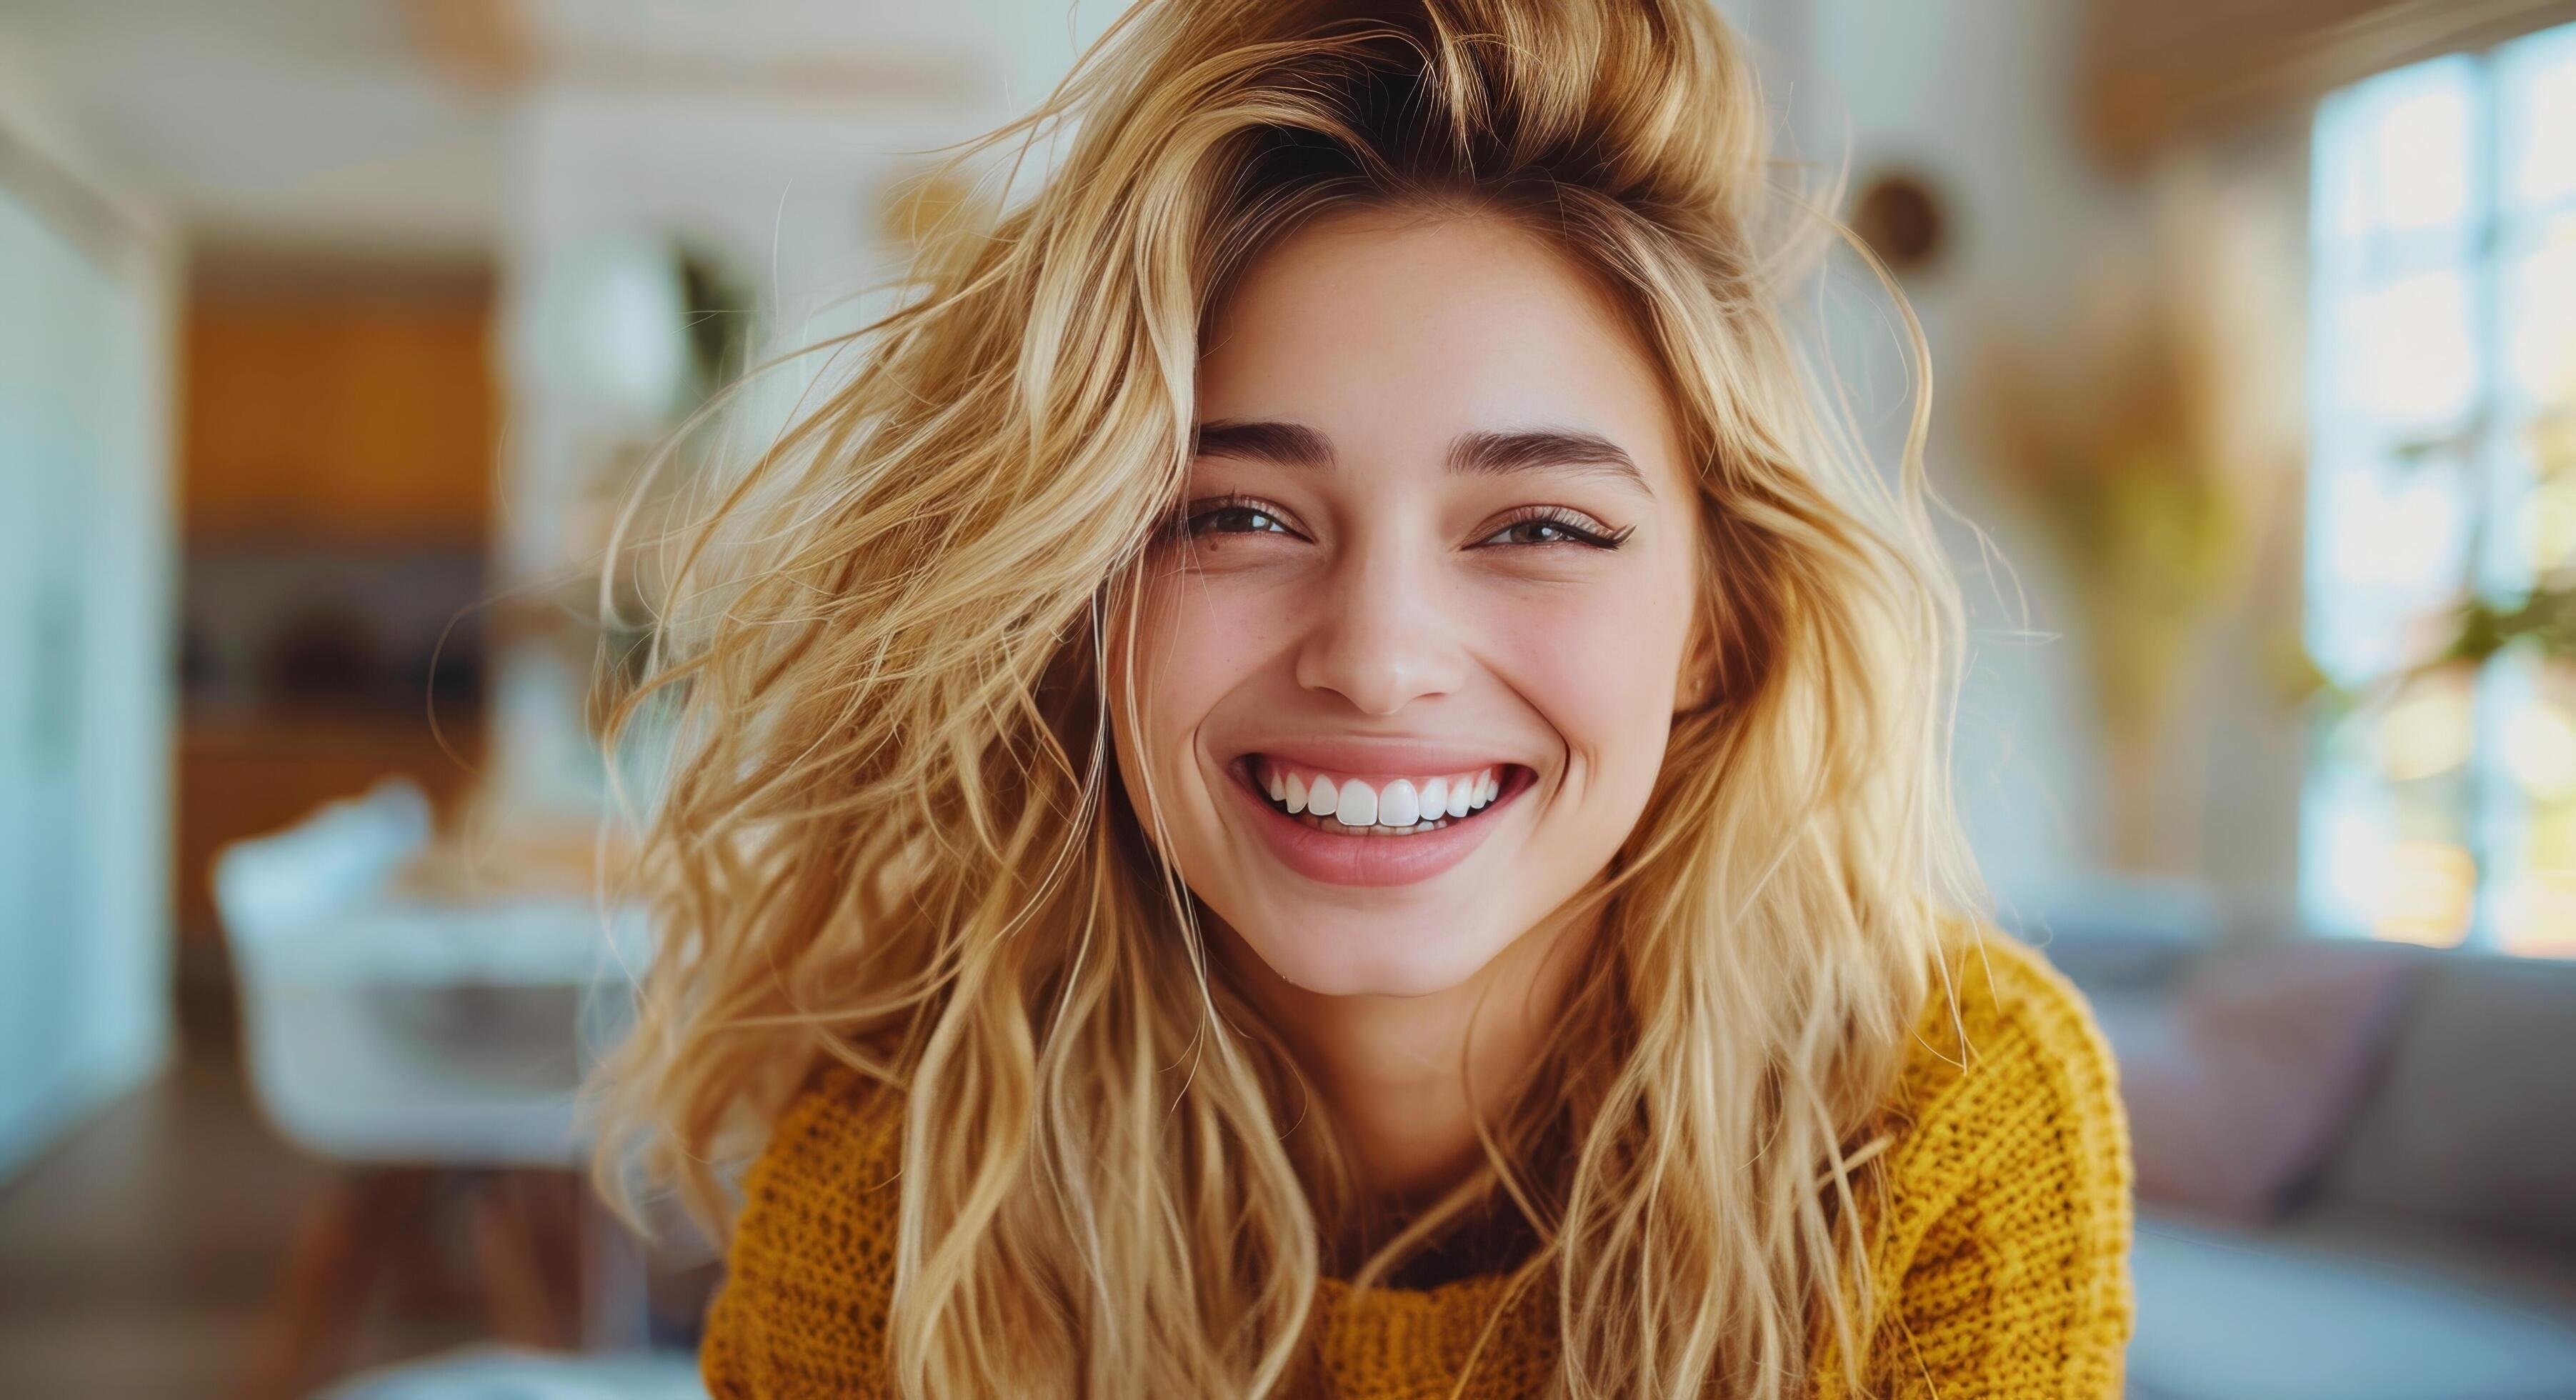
2428	1254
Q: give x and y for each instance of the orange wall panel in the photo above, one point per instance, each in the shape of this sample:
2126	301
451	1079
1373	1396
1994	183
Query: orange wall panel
339	419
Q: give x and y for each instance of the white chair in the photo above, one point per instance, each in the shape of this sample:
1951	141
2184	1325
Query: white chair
411	1040
503	1374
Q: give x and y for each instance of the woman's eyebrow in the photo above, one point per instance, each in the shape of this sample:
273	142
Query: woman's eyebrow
1289	444
1543	449
1487	453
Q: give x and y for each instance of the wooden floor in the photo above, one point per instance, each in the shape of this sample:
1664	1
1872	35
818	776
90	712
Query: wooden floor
139	1256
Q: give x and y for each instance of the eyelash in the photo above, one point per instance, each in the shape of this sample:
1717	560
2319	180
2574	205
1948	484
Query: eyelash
1576	527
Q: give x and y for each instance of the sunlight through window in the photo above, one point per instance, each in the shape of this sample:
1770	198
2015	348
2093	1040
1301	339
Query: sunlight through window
2441	803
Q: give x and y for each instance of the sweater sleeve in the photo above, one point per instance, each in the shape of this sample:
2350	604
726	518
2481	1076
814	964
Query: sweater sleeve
2005	1272
801	1311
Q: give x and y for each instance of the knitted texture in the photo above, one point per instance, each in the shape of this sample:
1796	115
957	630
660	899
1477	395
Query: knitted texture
1999	1259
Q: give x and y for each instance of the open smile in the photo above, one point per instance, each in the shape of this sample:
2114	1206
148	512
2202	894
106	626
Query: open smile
1374	829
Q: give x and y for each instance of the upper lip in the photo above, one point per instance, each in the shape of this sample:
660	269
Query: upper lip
1371	755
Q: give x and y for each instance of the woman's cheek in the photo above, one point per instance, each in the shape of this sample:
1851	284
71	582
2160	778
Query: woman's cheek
1598	662
1200	637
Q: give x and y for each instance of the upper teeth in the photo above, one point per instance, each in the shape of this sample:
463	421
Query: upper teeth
1394	802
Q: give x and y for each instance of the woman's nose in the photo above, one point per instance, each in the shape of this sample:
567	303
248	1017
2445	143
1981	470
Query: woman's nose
1382	634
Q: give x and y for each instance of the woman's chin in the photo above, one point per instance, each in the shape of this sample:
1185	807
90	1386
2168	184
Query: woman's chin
1335	954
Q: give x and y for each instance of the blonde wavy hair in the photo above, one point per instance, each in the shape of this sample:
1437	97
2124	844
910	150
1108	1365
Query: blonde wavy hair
891	835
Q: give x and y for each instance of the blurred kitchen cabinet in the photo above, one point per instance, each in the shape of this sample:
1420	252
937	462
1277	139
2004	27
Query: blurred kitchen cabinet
338	434
334	408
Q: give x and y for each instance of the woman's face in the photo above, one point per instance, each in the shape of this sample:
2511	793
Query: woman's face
1433	571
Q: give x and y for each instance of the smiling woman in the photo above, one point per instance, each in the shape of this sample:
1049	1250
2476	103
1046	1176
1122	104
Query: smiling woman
1412	547
1321	778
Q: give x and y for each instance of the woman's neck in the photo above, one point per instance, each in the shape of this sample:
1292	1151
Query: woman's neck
1390	1066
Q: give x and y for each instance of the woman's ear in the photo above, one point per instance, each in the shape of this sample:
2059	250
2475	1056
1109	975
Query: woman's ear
1695	685
1699	684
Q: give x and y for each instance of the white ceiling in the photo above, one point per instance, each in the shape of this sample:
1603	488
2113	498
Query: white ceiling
364	125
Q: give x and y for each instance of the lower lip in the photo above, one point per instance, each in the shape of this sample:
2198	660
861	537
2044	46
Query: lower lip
1374	861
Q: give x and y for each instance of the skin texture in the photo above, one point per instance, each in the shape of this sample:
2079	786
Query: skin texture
1386	601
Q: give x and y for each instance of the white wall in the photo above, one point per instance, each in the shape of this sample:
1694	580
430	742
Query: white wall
85	657
787	191
1976	95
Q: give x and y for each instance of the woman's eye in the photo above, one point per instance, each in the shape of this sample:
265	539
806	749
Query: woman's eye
1236	520
1543	528
1556	529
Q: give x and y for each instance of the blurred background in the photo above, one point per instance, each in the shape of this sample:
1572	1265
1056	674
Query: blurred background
334	332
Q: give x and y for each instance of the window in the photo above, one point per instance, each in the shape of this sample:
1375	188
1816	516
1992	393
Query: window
2441	570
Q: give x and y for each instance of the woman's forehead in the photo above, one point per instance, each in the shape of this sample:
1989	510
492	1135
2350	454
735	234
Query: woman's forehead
1397	333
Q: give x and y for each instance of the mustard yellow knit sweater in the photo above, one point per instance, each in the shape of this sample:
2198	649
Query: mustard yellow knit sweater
2001	1258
